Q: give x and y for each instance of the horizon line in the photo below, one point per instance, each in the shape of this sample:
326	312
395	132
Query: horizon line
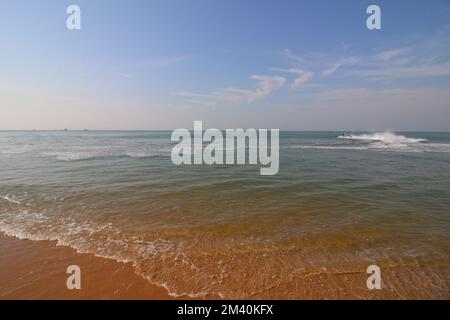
164	130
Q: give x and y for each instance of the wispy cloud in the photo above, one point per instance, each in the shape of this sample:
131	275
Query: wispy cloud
158	63
320	63
302	79
266	85
413	60
235	96
303	75
390	54
335	67
290	55
130	70
424	58
360	108
419	71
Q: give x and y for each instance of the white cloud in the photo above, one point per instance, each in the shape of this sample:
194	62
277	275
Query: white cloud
229	96
303	76
390	54
267	84
335	67
302	79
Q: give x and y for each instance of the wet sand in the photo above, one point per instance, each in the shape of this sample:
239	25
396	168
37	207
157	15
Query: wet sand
37	270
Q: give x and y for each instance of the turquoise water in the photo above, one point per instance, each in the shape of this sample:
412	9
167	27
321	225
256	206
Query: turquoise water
336	206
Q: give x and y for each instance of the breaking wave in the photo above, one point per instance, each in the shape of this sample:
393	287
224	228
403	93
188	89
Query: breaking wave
385	137
88	155
380	141
10	199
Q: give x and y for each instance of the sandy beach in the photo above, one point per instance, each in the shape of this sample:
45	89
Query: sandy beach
37	270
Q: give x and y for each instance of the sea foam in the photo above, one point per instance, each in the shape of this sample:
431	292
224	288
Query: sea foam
385	137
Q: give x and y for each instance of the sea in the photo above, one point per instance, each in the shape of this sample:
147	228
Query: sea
339	204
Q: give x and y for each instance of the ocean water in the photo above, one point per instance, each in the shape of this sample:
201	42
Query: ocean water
337	206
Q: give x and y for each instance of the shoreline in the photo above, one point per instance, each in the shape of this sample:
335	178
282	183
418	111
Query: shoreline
37	270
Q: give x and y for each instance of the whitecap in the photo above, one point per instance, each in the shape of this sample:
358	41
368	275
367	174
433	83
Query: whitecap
385	137
9	199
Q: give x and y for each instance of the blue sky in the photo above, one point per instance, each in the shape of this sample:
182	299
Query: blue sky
297	65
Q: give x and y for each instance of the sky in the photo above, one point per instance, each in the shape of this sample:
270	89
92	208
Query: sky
289	65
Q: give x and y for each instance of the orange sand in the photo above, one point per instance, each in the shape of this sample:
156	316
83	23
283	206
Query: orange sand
37	270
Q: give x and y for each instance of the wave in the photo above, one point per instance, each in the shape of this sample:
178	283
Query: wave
431	147
78	156
104	240
9	199
385	137
380	141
